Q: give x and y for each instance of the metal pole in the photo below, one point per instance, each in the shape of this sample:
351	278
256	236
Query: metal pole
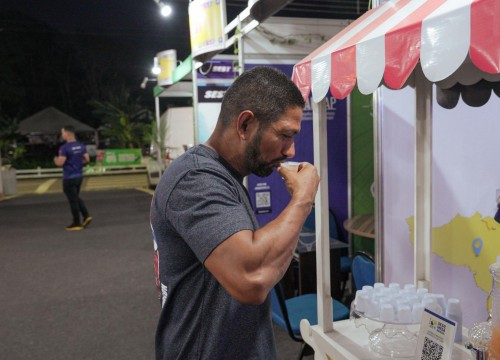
378	180
241	69
379	186
423	180
195	102
241	51
325	308
158	137
349	166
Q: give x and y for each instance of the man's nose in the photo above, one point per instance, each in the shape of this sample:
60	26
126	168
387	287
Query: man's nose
289	151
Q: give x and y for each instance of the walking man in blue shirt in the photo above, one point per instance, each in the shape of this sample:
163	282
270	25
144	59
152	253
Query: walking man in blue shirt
72	156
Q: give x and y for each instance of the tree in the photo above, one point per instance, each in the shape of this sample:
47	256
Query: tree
124	120
9	138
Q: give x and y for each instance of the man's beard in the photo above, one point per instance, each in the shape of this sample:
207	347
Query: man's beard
254	160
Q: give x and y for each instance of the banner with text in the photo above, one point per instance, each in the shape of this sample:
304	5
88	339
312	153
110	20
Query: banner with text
207	20
168	61
121	157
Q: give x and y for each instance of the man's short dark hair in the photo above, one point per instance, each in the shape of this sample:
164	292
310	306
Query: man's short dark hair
265	91
69	128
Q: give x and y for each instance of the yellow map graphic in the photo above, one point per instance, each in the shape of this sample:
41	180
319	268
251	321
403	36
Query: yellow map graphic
473	242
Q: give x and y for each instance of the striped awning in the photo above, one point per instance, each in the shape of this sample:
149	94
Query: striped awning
455	41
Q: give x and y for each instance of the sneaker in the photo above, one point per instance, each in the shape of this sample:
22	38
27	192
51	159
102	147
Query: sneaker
74	227
87	221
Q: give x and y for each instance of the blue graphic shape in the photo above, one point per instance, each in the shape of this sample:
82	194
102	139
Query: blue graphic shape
477	245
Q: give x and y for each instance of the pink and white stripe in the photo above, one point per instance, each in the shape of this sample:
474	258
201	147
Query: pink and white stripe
386	43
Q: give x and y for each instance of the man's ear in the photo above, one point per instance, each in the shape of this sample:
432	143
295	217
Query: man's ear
245	123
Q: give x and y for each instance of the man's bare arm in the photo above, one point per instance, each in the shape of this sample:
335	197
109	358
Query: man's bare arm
248	264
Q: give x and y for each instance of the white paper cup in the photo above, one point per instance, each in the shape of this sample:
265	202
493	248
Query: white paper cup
290	164
372	309
385	300
404	314
387	313
441	301
432	305
394	288
378	287
421	292
368	289
417	312
357	300
362	303
410	289
454	307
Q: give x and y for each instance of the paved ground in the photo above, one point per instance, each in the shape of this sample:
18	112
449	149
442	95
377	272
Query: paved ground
90	183
81	295
77	295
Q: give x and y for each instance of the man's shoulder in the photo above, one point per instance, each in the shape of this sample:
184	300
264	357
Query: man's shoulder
194	167
196	159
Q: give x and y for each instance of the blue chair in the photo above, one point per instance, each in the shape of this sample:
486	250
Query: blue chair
345	259
363	269
287	314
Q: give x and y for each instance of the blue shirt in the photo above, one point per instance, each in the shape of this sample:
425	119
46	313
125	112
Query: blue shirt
73	152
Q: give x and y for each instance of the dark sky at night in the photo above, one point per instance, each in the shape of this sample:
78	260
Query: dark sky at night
65	53
135	22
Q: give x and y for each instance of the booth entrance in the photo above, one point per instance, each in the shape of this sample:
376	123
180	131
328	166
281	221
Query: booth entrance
399	43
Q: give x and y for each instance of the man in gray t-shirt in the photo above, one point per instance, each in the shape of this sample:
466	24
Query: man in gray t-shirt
215	266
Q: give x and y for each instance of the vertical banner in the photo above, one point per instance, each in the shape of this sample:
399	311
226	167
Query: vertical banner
207	20
209	103
168	62
214	77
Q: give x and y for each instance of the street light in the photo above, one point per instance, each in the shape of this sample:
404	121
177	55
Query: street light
144	82
156	70
165	9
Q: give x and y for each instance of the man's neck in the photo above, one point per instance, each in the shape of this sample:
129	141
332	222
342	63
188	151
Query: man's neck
226	149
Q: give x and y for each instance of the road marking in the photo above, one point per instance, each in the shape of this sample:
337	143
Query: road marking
43	187
7	197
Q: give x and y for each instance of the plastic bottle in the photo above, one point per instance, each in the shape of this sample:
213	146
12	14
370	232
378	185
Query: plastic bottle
454	312
494	348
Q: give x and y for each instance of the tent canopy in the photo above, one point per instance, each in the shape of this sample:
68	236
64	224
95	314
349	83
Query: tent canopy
455	41
50	121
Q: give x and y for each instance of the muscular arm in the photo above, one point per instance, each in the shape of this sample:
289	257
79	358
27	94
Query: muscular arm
248	264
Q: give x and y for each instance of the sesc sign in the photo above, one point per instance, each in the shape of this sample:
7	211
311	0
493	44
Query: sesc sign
211	93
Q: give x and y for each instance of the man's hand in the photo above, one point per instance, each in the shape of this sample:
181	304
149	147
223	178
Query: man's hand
59	160
301	181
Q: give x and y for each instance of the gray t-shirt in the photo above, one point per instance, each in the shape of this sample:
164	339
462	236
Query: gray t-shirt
200	202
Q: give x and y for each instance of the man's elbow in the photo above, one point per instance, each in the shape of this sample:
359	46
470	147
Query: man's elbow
251	292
